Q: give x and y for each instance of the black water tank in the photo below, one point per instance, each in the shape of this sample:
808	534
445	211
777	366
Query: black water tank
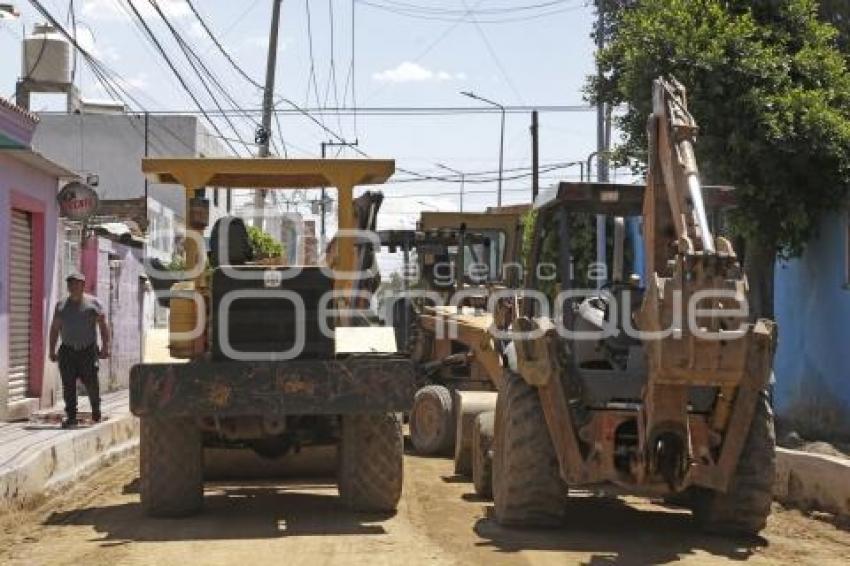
265	323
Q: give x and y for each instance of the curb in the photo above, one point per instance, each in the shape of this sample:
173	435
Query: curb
68	459
812	481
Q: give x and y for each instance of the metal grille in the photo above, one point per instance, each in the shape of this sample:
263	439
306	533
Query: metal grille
71	249
20	295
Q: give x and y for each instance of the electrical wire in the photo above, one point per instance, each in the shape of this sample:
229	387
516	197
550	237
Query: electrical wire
350	79
405	110
312	79
483	11
177	74
110	80
431	46
239	70
449	16
189	53
332	66
280	134
494	56
221	48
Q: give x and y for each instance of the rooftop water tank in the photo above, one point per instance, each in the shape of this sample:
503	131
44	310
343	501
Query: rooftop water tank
46	56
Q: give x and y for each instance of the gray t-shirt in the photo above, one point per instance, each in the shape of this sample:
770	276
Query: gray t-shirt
79	321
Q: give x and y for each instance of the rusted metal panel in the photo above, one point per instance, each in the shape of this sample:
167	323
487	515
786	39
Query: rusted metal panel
372	384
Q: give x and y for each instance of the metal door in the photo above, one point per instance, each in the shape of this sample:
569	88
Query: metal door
20	298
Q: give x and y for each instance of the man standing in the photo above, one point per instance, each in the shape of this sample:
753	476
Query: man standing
77	319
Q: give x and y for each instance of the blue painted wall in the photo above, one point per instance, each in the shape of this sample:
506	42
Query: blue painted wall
812	364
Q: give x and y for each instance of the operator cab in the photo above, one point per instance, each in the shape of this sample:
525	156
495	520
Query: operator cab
594	288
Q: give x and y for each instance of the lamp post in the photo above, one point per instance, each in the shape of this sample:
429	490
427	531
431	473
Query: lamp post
501	142
462	180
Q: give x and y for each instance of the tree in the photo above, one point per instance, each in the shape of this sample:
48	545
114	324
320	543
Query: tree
771	93
837	12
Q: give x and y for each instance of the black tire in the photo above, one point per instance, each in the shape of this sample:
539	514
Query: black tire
744	508
527	486
432	422
482	454
371	462
171	480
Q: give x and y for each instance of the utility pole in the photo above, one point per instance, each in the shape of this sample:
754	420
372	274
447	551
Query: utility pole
535	156
147	154
602	146
264	134
323	203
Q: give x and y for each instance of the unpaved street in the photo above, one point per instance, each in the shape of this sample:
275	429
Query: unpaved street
439	522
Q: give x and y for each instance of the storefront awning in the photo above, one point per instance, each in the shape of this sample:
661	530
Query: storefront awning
36	160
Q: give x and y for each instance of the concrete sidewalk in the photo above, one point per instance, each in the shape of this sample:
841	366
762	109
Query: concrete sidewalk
38	457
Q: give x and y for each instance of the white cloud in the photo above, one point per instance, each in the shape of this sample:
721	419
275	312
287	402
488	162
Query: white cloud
197	31
112	9
407	72
258	41
100	51
261	43
139	82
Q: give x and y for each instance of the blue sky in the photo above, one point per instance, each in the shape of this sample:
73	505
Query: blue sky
399	61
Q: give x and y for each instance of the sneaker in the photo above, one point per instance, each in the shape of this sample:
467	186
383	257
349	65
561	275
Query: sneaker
69	423
96	417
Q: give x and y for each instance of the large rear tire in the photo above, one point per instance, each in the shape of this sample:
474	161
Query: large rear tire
171	467
744	508
432	423
482	454
527	486
371	462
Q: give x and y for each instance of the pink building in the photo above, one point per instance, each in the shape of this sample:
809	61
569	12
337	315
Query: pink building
30	279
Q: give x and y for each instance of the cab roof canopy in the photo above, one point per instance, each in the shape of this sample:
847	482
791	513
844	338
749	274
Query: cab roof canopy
267	173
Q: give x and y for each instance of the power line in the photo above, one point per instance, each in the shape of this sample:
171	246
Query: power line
189	54
483	11
405	110
312	79
110	80
494	56
221	48
332	67
445	33
472	17
349	79
177	74
241	72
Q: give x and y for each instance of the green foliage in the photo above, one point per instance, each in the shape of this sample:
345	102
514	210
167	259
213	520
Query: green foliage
529	219
263	244
769	89
582	230
837	12
177	263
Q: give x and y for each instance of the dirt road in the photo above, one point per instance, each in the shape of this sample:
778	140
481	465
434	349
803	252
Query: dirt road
99	522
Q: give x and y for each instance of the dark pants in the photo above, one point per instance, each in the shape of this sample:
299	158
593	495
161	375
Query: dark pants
82	365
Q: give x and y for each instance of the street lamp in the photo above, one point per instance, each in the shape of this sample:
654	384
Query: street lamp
501	142
462	180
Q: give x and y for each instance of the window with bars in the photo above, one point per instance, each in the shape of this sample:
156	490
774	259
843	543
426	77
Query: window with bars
72	234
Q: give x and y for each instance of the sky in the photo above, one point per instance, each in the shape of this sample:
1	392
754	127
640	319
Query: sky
407	53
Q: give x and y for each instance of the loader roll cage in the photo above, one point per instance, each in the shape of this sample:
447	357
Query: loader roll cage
194	174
